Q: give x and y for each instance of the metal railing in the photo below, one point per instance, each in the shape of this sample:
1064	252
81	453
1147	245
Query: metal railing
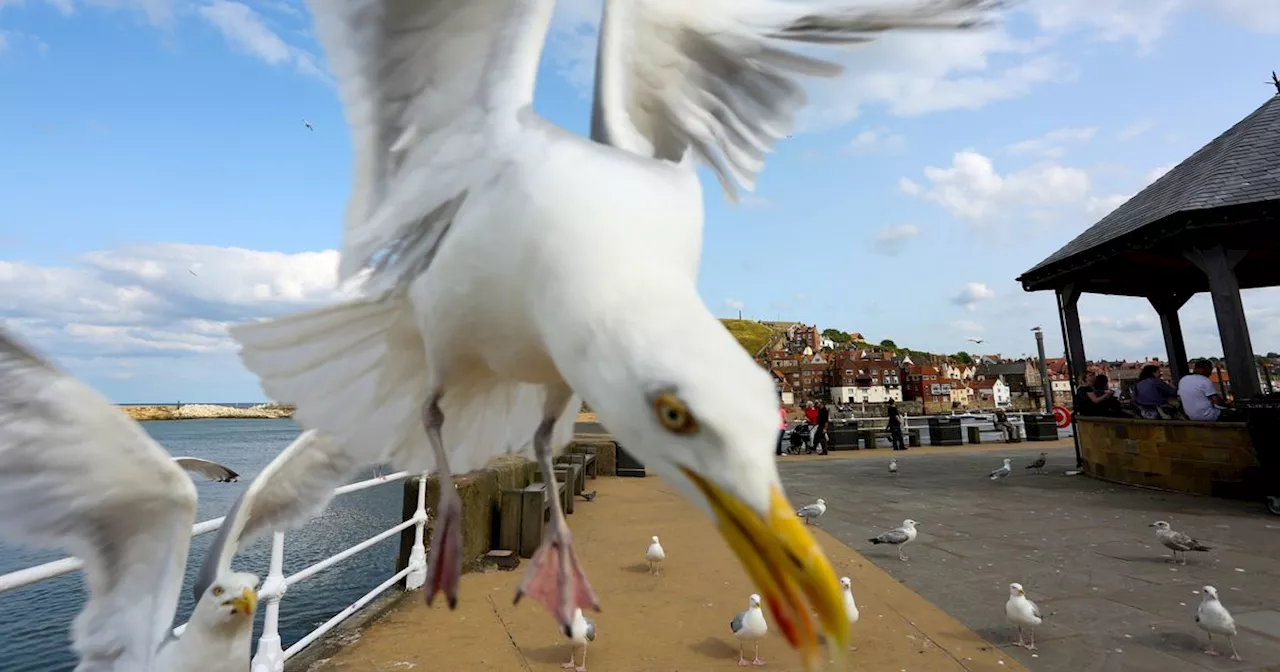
271	654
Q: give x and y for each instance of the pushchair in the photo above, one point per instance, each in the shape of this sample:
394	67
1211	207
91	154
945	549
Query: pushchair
799	441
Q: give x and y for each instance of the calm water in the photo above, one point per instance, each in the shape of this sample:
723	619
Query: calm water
35	621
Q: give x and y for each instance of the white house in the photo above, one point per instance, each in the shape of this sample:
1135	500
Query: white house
825	342
1000	391
869	394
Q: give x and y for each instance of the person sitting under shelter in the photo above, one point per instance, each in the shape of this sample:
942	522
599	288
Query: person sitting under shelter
1151	393
1200	398
1098	400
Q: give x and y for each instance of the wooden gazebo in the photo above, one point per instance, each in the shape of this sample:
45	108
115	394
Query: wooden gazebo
1211	224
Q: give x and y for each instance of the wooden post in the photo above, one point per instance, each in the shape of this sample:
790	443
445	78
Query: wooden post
1073	341
1219	266
1167	306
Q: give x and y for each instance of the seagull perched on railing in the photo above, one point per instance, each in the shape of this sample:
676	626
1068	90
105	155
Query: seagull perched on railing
510	267
78	475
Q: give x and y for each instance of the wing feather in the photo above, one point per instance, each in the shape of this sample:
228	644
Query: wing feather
207	468
78	475
718	77
429	87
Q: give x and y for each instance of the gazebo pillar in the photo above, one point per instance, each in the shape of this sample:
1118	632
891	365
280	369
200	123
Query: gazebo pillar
1167	306
1068	298
1219	264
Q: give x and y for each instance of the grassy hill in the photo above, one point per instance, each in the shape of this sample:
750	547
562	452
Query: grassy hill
752	336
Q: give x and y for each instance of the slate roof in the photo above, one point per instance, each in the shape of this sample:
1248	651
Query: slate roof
1240	166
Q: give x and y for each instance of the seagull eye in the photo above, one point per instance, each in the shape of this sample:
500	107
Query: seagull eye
673	414
217	591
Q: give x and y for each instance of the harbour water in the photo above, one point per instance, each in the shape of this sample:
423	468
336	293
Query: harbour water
35	621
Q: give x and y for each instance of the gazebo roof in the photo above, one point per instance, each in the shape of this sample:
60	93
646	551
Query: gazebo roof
1235	179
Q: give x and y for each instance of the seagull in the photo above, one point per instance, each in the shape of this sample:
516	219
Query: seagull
893	466
812	512
654	556
428	369
898	536
1177	541
975	340
1003	471
1214	619
79	476
750	626
308	125
850	606
1022	613
580	632
1038	465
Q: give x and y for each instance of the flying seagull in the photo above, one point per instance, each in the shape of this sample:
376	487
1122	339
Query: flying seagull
1023	614
1038	465
581	631
78	475
308	125
1214	619
898	536
431	370
1002	471
1177	541
975	340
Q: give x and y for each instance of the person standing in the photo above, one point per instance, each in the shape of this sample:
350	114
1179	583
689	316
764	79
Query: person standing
895	426
782	428
820	435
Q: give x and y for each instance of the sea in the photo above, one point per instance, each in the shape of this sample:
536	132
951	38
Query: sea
35	620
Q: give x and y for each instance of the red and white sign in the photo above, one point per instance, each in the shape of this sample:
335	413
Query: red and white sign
1061	416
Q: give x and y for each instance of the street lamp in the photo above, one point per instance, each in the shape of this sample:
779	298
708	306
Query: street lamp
1045	385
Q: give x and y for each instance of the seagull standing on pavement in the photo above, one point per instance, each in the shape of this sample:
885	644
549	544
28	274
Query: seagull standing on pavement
1023	614
898	536
1177	541
1214	619
1003	471
750	626
581	631
654	556
893	466
850	605
1038	465
459	350
812	512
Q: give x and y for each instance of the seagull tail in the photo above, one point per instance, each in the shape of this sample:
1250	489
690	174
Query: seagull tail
354	370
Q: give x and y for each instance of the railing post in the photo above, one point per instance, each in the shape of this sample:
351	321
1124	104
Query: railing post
270	655
418	554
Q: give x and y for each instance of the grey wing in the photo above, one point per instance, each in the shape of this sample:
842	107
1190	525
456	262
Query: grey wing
1035	609
79	476
1178	541
736	623
894	536
807	511
421	83
207	468
591	630
999	472
295	486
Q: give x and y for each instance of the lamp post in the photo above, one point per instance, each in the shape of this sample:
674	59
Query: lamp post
1045	385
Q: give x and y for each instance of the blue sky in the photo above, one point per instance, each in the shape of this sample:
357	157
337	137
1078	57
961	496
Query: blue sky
158	183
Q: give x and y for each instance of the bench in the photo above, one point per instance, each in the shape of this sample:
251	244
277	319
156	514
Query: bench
523	518
565	480
586	460
910	436
975	433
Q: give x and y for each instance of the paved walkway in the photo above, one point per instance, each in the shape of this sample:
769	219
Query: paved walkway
1080	547
679	621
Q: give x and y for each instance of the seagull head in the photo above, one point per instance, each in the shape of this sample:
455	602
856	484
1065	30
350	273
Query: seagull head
1159	525
678	392
231	599
909	524
822	502
753	602
1209	592
1007	461
655	540
1015	590
845	583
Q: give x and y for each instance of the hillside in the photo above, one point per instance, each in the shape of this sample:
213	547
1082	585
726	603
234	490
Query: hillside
752	336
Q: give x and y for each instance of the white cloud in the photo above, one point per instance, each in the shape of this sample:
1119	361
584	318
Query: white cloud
247	30
972	189
876	140
971	294
1054	143
891	240
734	305
1135	129
1157	173
162	299
1145	21
909	187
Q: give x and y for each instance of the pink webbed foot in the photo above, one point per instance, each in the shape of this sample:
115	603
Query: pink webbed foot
569	665
757	662
742	662
444	564
580	668
555	579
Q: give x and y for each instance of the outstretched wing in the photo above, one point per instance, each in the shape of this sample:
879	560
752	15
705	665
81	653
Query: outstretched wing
295	486
78	475
431	90
207	468
718	76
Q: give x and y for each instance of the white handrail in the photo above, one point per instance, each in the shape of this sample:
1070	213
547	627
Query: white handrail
271	656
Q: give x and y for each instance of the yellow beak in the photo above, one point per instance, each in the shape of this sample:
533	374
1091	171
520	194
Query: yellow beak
784	561
246	603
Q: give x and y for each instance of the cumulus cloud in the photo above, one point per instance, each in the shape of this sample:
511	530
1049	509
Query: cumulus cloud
1135	129
876	141
971	294
971	188
1144	21
163	299
892	240
245	29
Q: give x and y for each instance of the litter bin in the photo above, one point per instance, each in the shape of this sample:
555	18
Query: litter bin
1262	416
945	431
1040	427
627	464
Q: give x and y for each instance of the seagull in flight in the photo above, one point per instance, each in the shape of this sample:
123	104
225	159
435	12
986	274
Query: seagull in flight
308	125
975	340
459	350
